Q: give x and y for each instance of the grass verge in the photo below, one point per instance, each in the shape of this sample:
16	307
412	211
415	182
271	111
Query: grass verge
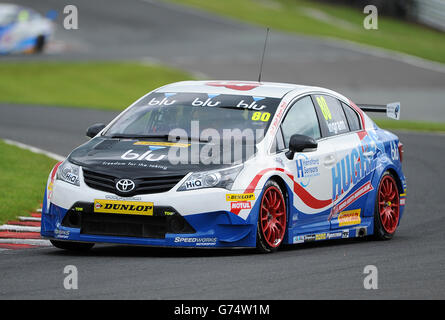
100	85
107	85
411	125
23	175
336	21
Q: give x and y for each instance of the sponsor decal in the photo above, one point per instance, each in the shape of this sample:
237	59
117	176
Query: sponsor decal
241	205
61	234
353	167
345	234
309	238
351	217
251	106
320	236
124	207
114	197
166	101
306	169
193	184
402	199
163	144
197	241
147	156
240	197
352	198
335	235
298	239
206	103
168	213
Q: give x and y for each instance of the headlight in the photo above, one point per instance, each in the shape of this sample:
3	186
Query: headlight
69	173
212	179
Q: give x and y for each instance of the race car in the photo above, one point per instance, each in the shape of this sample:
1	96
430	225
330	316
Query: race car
23	30
229	164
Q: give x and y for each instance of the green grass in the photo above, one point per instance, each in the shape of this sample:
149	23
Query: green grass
105	85
23	177
100	85
292	16
411	125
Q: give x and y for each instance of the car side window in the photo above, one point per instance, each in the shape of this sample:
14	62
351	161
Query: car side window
352	117
301	119
331	114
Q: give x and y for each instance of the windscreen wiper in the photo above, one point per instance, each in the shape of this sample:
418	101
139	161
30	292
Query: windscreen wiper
152	136
139	136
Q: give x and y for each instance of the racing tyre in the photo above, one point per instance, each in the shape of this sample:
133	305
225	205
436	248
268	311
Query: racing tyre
387	208
72	246
40	44
271	218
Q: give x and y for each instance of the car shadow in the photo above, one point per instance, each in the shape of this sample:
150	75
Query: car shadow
111	250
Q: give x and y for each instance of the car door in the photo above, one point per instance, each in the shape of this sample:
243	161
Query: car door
310	171
349	174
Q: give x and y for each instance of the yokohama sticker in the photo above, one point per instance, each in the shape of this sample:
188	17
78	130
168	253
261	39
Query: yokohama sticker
351	217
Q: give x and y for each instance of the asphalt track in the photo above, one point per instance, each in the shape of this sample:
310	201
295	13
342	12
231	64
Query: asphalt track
153	30
412	265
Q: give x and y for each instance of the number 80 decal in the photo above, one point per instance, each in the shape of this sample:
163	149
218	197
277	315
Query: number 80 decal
262	116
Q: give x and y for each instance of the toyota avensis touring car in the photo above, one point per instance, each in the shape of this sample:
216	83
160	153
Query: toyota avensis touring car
318	169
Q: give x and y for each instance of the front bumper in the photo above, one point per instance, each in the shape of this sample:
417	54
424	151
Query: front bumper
208	223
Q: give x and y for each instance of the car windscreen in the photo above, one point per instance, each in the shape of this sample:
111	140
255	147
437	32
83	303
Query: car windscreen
7	17
158	114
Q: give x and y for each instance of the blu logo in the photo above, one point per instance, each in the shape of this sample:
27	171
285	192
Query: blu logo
147	156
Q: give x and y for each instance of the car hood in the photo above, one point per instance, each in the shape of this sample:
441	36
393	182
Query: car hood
134	158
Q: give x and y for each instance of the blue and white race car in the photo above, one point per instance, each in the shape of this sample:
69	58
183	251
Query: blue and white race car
229	164
23	30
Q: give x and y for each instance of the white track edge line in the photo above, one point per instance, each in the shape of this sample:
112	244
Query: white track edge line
34	149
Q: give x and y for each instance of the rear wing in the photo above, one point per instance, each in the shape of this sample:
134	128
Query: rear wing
392	110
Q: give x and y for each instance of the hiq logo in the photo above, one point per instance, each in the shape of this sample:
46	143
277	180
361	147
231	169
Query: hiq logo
207	103
353	168
253	105
162	102
193	184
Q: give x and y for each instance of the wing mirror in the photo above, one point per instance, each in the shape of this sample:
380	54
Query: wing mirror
300	143
95	129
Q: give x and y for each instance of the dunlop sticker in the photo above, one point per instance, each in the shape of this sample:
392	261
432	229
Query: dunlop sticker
240	197
124	207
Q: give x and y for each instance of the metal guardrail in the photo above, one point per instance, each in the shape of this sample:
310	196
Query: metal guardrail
431	13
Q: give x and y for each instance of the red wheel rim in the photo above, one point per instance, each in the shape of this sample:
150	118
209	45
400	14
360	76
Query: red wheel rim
389	204
273	216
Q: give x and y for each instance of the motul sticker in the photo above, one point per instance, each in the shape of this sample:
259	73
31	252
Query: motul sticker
241	205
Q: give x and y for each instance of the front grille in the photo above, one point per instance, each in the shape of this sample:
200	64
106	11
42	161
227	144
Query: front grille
164	220
106	224
144	185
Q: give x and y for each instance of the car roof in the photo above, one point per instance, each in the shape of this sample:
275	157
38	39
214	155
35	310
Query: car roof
251	88
8	7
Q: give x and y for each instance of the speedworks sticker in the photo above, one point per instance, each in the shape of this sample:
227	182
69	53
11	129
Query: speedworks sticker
351	217
124	207
240	197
